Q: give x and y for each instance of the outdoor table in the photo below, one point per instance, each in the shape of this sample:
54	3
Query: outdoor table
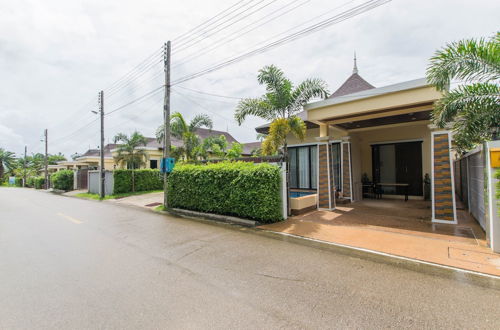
386	184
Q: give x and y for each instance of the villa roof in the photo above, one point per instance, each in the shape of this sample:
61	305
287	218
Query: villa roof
249	147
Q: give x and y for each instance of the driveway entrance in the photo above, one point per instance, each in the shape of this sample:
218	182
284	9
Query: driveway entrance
398	228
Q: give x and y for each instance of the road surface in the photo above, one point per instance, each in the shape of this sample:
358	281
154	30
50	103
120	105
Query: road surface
67	263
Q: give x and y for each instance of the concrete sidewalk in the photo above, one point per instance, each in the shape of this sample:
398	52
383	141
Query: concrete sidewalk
460	246
148	200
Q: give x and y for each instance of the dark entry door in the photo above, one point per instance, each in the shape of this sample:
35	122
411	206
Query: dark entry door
398	163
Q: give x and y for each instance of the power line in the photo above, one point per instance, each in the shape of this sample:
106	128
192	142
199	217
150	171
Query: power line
198	27
186	45
369	5
135	100
210	94
137	67
218	43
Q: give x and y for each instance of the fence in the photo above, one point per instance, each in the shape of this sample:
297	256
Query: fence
475	186
94	182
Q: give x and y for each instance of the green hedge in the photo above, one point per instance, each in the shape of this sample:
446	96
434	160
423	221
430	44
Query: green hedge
30	181
144	180
241	189
19	181
62	180
39	181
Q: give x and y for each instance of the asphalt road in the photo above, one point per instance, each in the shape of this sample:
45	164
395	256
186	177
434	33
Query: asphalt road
67	263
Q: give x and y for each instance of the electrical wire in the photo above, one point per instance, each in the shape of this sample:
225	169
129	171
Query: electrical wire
217	44
210	94
201	26
205	35
369	5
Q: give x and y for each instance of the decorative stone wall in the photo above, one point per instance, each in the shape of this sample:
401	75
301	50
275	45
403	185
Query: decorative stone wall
346	170
324	194
442	185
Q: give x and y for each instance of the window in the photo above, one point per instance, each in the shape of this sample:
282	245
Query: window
153	163
303	167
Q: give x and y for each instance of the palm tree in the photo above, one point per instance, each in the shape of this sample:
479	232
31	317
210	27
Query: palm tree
7	161
280	105
187	133
473	108
129	153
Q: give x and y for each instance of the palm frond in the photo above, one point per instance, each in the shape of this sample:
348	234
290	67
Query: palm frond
305	91
178	125
468	60
201	120
257	107
297	127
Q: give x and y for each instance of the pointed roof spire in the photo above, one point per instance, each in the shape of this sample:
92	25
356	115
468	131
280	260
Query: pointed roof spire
355	69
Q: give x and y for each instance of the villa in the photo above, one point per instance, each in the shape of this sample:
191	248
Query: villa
364	141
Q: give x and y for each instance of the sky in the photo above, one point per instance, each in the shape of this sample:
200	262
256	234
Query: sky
56	55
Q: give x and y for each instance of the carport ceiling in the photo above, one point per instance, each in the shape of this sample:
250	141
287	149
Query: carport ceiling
396	119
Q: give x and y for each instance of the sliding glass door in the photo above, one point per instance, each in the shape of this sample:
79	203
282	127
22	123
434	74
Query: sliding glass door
398	163
303	167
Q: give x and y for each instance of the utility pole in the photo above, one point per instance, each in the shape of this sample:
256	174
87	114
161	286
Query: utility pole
102	173
24	166
166	116
46	160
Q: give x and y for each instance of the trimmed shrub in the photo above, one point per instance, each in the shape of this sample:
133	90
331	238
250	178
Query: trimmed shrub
39	181
241	189
62	180
30	181
19	181
144	180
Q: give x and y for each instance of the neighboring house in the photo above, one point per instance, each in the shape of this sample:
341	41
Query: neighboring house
250	148
153	149
382	132
92	158
67	165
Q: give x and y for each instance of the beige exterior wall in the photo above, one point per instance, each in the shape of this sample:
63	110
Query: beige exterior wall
380	102
150	155
403	132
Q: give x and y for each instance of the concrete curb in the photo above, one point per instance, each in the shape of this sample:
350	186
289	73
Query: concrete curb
216	217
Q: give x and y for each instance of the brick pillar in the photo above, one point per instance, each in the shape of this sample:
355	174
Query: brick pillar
325	178
443	192
346	170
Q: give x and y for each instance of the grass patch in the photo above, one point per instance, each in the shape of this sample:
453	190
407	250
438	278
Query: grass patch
159	208
96	196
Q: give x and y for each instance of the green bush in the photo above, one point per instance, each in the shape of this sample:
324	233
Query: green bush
144	180
19	181
39	181
241	189
62	180
30	181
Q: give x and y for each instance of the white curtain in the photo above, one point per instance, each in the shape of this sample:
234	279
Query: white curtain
303	167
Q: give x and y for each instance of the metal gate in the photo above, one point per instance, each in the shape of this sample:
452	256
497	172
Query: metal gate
476	187
82	179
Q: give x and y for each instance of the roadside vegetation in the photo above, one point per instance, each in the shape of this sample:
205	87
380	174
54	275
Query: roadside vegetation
115	196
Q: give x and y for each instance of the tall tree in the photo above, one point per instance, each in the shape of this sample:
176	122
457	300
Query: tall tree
280	105
129	153
7	161
472	108
186	132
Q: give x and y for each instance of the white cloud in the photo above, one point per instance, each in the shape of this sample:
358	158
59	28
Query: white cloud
56	55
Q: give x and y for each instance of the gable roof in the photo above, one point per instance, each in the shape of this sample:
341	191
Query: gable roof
249	147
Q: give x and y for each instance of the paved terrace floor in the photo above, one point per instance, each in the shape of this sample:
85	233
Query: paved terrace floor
399	228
